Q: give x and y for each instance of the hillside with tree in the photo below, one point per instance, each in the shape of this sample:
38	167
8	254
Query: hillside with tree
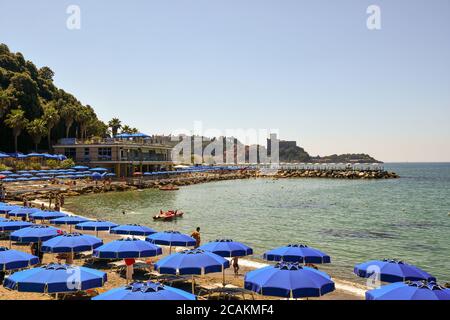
34	113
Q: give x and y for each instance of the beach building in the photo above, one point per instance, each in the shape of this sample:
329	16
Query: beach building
124	154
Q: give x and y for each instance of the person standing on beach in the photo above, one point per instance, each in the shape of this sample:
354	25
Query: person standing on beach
2	193
235	262
196	236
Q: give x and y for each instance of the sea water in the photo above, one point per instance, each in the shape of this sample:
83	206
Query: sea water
351	220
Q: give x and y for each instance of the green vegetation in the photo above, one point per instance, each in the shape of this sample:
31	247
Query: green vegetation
347	158
32	107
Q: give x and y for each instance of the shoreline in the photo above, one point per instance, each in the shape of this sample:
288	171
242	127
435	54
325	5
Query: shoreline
16	192
347	287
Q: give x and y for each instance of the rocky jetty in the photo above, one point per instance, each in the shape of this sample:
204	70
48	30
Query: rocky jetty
336	174
195	178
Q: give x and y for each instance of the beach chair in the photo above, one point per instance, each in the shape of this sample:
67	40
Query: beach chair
168	279
226	292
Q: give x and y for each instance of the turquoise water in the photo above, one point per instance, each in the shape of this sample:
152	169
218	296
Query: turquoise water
352	220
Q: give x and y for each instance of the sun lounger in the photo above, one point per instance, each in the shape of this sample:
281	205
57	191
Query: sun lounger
120	266
168	278
226	292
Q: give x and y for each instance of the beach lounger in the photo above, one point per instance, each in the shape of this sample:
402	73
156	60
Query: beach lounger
120	266
228	291
168	278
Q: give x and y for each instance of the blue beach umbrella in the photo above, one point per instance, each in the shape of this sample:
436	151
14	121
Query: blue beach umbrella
192	262
14	259
297	253
7	208
34	233
9	180
98	170
96	176
68	220
11	225
98	225
55	278
47	215
289	280
70	243
26	175
171	238
227	248
23	212
145	291
133	229
391	271
110	175
127	248
409	290
80	168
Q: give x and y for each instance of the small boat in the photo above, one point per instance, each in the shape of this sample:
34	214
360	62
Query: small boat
169	215
169	188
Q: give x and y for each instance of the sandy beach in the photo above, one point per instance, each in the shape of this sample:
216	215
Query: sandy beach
344	289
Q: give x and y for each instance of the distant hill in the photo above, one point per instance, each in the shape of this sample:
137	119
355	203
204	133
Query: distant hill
346	158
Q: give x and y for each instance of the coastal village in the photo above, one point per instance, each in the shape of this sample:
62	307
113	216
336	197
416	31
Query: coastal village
53	147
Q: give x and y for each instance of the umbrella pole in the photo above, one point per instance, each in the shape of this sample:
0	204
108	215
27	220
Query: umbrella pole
170	249
193	284
70	229
223	276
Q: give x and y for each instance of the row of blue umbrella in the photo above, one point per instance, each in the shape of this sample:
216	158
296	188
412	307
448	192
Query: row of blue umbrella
59	157
192	170
202	260
77	172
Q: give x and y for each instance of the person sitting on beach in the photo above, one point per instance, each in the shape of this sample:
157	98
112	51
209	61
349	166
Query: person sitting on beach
42	206
235	262
196	236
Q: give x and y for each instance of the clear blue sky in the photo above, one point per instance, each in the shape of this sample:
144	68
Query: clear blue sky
308	68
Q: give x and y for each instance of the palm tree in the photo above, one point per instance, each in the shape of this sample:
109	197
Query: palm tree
4	102
16	121
127	129
52	118
68	113
82	117
115	124
36	129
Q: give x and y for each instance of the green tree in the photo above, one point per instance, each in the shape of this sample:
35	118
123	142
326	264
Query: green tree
68	113
52	118
36	129
115	124
127	129
46	73
4	102
83	115
16	121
